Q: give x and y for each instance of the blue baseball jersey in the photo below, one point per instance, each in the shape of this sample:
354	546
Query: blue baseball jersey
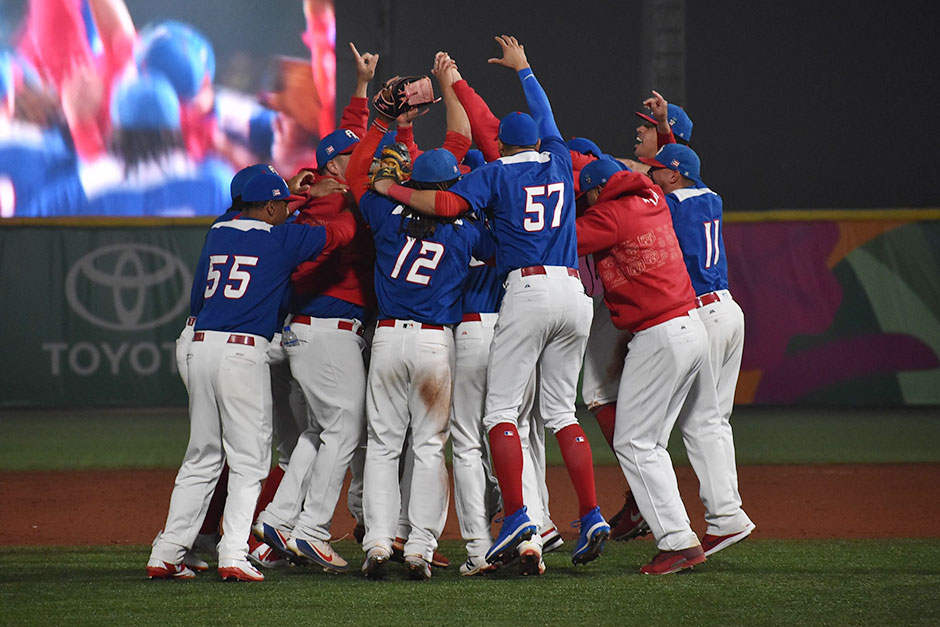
697	220
249	263
202	267
421	280
529	198
176	188
484	290
38	173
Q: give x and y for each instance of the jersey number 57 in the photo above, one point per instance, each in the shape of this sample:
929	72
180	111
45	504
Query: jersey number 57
535	211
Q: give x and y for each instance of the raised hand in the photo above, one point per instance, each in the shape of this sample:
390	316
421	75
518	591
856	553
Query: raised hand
658	105
513	53
445	70
365	64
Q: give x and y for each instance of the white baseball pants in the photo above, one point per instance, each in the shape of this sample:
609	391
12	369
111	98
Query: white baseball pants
603	357
660	367
229	389
409	385
544	321
327	363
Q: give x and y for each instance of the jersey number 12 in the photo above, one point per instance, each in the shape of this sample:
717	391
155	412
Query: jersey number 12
436	251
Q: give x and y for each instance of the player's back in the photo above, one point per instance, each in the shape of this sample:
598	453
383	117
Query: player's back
248	270
421	279
697	219
530	198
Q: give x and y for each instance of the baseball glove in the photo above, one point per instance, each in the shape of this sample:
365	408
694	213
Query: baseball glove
394	164
402	94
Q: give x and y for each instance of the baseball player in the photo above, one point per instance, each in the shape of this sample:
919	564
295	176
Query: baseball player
666	124
332	298
697	219
646	287
545	315
421	266
250	261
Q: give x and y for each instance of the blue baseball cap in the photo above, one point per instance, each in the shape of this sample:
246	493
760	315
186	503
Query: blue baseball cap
388	138
242	176
677	157
179	52
585	146
435	166
518	129
145	102
678	119
474	159
598	172
265	186
339	142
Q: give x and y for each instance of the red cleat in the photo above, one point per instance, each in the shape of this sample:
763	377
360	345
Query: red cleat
667	562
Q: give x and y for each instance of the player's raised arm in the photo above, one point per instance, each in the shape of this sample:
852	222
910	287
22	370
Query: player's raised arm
514	57
457	140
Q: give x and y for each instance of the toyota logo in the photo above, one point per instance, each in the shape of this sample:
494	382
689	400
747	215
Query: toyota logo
109	287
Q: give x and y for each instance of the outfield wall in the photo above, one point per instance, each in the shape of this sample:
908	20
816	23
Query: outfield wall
842	308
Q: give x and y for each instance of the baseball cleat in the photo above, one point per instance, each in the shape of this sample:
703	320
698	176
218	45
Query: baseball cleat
359	532
476	565
667	562
238	570
712	544
374	566
418	568
530	558
438	560
515	529
158	569
594	533
551	539
320	552
628	523
276	538
263	556
194	562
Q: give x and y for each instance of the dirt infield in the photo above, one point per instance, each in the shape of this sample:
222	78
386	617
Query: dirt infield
832	501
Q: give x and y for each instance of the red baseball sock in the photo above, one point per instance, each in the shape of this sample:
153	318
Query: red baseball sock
269	488
506	451
576	451
211	523
606	416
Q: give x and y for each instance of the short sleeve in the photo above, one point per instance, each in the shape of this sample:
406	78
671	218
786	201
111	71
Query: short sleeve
479	187
302	242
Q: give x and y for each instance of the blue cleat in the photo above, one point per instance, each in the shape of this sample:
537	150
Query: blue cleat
594	533
515	529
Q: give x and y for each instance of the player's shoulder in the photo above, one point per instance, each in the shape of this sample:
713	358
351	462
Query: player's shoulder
689	193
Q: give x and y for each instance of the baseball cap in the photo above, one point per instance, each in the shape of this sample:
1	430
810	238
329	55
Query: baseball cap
179	52
585	146
388	138
339	142
145	102
265	186
435	166
678	119
242	176
677	157
598	172
474	159
518	129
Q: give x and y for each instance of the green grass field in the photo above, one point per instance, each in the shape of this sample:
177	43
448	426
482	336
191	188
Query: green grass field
760	582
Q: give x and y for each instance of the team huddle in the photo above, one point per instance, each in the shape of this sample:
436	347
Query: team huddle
462	266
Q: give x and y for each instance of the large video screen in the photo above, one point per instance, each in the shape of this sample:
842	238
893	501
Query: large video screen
129	108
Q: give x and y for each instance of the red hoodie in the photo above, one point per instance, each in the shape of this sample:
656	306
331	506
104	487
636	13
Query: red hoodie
638	258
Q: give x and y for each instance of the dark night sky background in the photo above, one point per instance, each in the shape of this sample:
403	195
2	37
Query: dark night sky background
796	104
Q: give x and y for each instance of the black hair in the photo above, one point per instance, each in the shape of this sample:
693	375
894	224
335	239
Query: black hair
243	205
136	146
420	226
511	147
679	140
